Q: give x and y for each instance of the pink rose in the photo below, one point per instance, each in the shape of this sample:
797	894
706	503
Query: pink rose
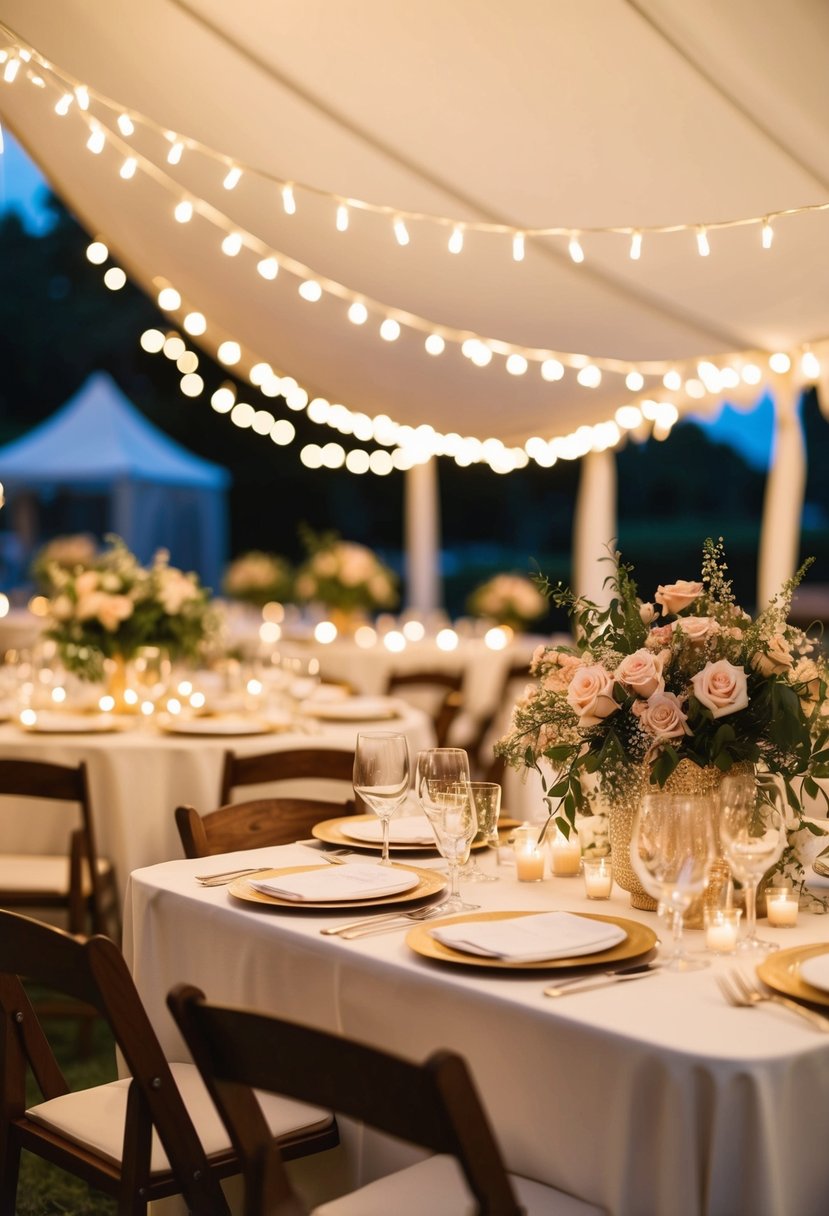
561	671
647	612
675	596
721	687
642	672
775	660
659	637
696	628
590	694
662	716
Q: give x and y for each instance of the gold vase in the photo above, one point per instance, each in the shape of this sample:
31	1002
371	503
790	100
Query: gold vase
687	778
115	675
348	621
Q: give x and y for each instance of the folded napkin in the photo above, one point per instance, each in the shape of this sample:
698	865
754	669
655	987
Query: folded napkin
815	971
408	829
531	939
335	884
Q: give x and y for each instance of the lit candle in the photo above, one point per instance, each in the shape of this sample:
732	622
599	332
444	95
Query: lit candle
565	855
598	877
529	856
781	907
722	926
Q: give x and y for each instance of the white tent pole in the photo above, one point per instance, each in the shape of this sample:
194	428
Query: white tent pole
422	540
785	488
594	525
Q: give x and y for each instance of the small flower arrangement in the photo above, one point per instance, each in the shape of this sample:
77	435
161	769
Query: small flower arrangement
690	676
508	599
70	552
257	578
344	575
114	606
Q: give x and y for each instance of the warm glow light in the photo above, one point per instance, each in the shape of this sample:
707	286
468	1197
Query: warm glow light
634	381
628	417
97	253
357	461
394	641
169	299
268	268
232	244
62	106
192	385
11	69
358	313
232	179
152	340
456	239
703	248
325	632
283	432
497	638
106	703
184	211
223	400
97	140
310	290
446	639
751	374
342	218
188	362
551	370
434	345
810	365
518	247
414	631
590	376
175	153
270	632
575	250
5	603
242	415
127	170
38	605
780	363
115	278
82	97
516	365
672	380
229	353
288	200
195	323
389	330
365	637
635	246
767	234
125	125
401	232
28	717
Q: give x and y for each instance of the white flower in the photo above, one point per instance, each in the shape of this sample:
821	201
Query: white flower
175	590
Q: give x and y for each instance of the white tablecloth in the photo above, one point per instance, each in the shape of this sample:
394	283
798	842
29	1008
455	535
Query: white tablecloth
138	777
650	1098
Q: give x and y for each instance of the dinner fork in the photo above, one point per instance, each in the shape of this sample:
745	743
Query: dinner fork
745	994
387	920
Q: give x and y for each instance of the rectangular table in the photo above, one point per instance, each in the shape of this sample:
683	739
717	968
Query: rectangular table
646	1098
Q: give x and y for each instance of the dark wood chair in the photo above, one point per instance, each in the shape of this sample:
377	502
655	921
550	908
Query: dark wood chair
433	1104
440	691
252	825
295	764
153	1134
78	881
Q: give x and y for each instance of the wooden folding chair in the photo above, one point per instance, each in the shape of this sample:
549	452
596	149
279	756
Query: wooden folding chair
300	763
434	1104
78	880
252	825
441	690
154	1134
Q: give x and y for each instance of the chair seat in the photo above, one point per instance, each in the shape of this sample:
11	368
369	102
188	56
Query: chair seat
94	1118
437	1186
30	873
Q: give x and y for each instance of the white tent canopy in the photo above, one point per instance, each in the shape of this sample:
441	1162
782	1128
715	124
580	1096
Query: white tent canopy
159	494
450	118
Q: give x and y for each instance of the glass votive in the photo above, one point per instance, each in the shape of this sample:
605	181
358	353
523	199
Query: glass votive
722	929
781	907
529	855
598	877
565	855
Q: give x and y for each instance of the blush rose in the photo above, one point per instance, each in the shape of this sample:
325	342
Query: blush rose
721	687
590	694
675	596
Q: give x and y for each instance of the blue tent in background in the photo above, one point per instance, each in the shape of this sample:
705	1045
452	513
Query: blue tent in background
149	489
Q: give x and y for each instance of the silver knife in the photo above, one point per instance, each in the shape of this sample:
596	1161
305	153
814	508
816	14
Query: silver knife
607	982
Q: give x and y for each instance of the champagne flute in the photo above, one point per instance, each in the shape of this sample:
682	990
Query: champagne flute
487	798
381	777
752	832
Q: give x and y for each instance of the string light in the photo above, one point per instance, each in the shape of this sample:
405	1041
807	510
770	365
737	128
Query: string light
63	104
268	268
232	244
234	176
125	125
127	170
11	69
184	211
575	250
342	218
767	234
401	232
455	244
703	248
634	381
390	330
82	96
97	140
358	313
310	290
434	345
288	200
635	246
518	247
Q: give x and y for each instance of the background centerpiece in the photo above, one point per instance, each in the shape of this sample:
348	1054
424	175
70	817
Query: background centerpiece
258	578
508	599
672	693
348	579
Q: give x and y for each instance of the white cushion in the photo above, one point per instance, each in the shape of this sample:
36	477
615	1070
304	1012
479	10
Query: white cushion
437	1186
22	872
94	1118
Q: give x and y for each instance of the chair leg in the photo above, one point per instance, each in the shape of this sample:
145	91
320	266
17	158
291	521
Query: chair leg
9	1170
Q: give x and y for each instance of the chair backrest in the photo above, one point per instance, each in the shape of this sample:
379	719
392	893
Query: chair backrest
313	763
252	825
70	785
440	691
480	748
434	1104
93	971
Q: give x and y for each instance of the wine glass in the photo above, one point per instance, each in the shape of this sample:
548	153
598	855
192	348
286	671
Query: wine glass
752	831
148	674
487	799
672	846
381	777
443	789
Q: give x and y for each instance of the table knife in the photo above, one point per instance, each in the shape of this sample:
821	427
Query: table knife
591	985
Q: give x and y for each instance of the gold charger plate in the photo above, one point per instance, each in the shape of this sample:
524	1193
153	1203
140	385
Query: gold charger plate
429	884
330	831
781	972
640	939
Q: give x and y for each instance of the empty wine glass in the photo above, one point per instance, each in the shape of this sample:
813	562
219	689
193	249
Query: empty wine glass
381	777
443	789
487	798
752	831
672	846
148	675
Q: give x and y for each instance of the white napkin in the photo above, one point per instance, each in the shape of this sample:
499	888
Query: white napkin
815	971
338	883
409	829
530	939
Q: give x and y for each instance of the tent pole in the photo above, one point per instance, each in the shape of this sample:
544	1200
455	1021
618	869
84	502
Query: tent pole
594	525
422	540
785	489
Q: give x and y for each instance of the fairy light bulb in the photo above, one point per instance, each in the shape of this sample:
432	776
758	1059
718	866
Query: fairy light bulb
169	299
456	239
232	179
635	246
401	232
780	363
63	104
126	125
518	247
672	380
434	345
751	374
703	248
516	365
766	234
342	218
194	324
232	244
310	290
551	370
115	278
82	97
590	376
97	253
810	365
183	211
634	381
97	141
358	313
11	69
268	268
229	353
128	168
288	200
575	250
390	330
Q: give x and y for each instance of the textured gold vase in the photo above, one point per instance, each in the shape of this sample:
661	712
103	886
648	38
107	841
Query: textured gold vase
687	778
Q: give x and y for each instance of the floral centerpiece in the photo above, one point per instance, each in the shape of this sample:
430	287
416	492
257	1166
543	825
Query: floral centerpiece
508	599
344	576
687	679
257	578
63	553
113	606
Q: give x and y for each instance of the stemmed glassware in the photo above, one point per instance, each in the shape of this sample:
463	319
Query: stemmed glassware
487	798
148	675
752	831
381	777
672	847
444	791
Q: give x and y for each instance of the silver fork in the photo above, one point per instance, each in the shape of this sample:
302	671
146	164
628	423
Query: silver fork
379	924
225	876
744	994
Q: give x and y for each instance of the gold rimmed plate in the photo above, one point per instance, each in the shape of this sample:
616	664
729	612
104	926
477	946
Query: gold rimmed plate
639	939
429	885
331	832
780	971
